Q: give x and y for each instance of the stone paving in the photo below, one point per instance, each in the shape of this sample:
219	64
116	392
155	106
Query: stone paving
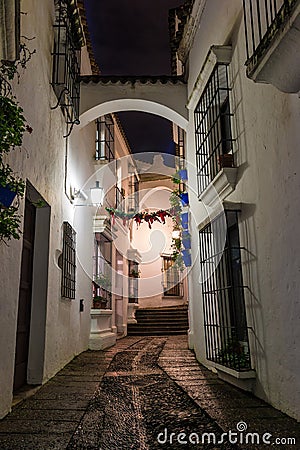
133	396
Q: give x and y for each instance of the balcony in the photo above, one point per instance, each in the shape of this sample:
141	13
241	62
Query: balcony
272	29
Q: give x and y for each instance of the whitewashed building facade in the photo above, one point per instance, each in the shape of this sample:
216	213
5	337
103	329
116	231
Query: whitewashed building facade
242	151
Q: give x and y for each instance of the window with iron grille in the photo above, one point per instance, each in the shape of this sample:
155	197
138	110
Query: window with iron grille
171	280
102	268
105	139
133	281
66	61
226	332
133	197
213	128
68	262
120	197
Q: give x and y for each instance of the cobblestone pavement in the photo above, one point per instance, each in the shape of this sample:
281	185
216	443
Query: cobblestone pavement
133	396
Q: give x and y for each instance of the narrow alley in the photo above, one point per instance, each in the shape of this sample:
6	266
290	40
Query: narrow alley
143	393
149	224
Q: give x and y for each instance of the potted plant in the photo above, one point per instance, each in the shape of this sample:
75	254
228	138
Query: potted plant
186	240
226	160
135	273
184	197
99	302
233	354
186	256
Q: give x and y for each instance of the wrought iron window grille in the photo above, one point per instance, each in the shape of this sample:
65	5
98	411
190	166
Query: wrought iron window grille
68	262
105	139
133	197
172	286
213	127
263	19
102	271
120	197
133	281
66	63
225	324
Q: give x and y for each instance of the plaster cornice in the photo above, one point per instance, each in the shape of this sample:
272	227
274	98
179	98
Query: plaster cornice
190	29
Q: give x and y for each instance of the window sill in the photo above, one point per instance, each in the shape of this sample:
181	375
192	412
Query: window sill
222	185
101	312
244	380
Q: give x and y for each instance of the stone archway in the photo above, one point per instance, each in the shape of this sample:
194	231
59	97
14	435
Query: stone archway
162	96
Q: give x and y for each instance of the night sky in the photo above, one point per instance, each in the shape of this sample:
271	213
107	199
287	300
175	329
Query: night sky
132	38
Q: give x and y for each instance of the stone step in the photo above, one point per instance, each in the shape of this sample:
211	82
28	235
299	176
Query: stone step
143	332
160	321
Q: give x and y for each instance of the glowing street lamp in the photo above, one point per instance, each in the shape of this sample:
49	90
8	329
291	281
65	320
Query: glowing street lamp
97	195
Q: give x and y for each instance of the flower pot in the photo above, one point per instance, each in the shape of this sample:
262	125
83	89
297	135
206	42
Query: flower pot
7	196
186	256
187	243
226	160
183	174
185	221
99	303
184	197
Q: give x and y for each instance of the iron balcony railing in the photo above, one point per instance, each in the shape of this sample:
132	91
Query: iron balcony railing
262	19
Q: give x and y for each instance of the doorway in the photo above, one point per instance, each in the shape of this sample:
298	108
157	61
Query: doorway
25	295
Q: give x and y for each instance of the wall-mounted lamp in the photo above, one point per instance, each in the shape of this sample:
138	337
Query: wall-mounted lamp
79	194
97	195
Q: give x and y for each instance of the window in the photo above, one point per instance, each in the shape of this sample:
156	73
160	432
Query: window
171	283
68	262
226	332
133	285
68	40
213	128
179	139
102	269
120	197
105	139
133	197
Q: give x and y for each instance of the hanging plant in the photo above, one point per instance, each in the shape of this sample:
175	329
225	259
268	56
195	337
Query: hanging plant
12	128
12	124
9	223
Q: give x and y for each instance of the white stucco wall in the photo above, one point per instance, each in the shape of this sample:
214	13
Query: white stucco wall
266	125
41	160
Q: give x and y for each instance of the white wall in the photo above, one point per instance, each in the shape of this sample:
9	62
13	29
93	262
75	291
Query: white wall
41	160
266	125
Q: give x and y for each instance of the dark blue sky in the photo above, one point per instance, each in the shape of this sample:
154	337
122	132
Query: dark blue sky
132	38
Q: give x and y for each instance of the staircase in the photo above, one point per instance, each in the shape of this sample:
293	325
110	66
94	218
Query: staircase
160	322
